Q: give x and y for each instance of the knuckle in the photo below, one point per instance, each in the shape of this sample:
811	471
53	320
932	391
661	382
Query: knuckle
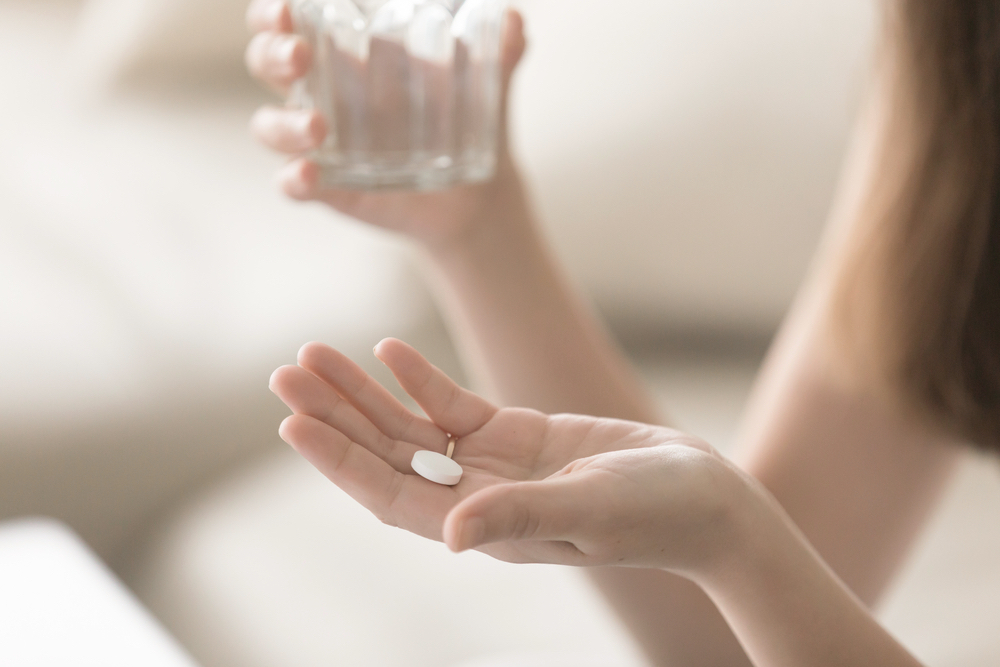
525	524
392	495
424	378
452	398
385	446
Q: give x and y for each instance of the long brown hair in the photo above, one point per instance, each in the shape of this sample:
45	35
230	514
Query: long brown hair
921	295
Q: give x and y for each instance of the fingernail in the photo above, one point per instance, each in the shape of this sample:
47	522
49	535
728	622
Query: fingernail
472	534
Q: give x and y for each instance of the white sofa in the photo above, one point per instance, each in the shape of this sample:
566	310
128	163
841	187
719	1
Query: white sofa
682	155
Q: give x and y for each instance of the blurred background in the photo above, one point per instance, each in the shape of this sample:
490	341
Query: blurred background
682	155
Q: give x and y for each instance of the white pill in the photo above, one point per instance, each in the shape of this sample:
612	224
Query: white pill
436	467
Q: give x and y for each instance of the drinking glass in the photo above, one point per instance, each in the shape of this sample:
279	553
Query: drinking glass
409	89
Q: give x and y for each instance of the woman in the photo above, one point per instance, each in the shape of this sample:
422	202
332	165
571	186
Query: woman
888	363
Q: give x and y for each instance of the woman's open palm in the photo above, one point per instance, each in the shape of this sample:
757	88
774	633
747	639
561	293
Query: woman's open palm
535	488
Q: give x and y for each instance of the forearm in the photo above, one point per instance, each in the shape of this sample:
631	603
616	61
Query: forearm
789	609
672	618
522	327
535	343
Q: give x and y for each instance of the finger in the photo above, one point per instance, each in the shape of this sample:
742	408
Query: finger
514	43
549	510
300	179
269	15
306	394
551	552
370	398
406	501
288	130
458	411
278	59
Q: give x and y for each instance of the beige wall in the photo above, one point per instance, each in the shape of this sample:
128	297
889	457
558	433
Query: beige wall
683	152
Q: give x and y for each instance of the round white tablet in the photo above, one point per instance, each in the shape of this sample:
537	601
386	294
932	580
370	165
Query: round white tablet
436	467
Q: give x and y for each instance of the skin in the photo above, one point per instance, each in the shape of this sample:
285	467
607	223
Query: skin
576	490
770	560
565	489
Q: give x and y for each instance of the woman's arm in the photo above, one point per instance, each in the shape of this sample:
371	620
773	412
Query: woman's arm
829	455
858	479
788	608
526	333
530	340
857	476
579	491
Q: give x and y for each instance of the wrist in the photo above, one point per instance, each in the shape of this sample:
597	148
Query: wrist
499	219
751	534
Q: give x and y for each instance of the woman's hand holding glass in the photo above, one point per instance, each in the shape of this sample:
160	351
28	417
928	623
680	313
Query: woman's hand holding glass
440	219
536	488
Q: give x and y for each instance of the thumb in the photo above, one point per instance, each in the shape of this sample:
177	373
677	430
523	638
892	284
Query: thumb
545	510
512	48
512	43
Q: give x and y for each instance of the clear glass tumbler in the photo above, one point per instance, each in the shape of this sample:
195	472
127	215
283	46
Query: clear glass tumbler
410	89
